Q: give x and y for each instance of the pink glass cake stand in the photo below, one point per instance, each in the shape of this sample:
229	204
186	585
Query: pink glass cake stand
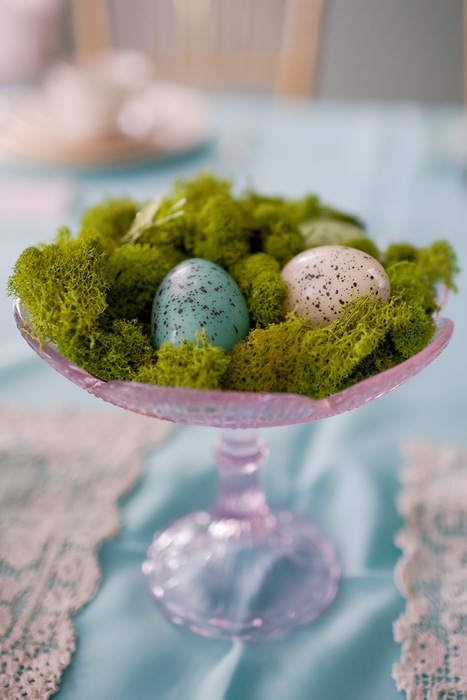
240	570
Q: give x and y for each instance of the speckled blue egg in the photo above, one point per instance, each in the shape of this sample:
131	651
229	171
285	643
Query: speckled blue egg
198	294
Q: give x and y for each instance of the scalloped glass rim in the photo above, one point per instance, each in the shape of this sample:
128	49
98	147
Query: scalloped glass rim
236	409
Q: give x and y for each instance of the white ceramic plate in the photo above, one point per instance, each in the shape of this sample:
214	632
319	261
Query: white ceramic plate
163	119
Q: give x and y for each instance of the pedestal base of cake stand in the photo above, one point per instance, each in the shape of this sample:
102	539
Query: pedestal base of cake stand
241	570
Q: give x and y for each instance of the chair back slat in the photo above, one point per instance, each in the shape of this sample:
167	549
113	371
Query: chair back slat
269	44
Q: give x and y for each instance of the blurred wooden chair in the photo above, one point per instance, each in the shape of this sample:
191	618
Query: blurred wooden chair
248	44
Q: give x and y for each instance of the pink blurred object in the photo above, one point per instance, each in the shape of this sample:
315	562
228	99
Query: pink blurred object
240	569
28	37
49	200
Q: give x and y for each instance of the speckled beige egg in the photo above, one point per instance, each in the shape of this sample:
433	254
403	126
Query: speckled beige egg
321	280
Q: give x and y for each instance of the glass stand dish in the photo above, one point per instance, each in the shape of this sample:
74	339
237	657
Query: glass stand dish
240	570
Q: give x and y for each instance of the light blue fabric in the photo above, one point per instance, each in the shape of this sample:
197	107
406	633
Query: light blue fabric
400	169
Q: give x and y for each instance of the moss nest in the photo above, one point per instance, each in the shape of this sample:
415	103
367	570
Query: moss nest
91	294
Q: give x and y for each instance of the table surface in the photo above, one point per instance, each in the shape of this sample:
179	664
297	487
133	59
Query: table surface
400	168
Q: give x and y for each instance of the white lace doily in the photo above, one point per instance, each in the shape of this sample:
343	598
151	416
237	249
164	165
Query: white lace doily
62	472
432	574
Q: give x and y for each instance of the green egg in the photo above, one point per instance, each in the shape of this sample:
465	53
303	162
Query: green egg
327	232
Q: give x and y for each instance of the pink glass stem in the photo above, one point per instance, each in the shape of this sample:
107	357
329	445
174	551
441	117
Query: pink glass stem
239	454
241	570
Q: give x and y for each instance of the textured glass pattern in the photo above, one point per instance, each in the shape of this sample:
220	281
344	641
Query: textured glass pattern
241	569
237	409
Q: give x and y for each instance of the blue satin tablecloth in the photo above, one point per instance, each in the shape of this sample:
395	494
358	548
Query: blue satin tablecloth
401	169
